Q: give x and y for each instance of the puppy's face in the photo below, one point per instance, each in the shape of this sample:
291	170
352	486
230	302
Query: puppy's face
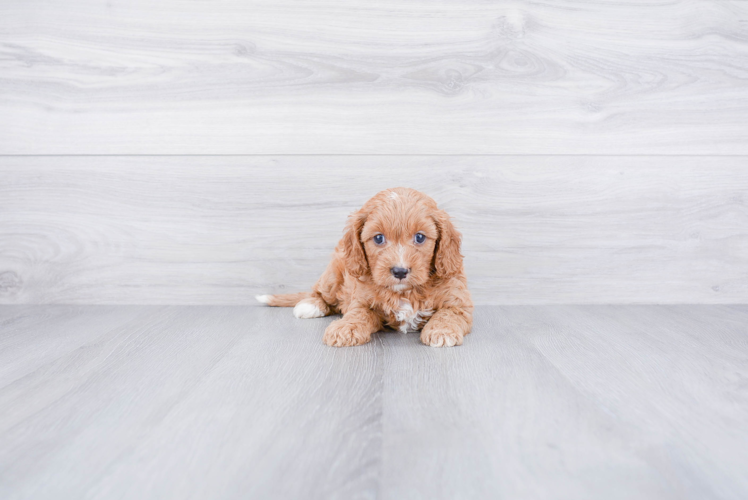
399	242
404	240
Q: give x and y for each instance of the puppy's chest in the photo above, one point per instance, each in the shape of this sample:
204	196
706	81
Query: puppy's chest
406	318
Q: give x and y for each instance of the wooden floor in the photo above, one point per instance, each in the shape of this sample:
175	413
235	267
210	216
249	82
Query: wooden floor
156	402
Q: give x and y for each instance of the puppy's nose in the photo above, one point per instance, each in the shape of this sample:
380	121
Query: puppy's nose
399	272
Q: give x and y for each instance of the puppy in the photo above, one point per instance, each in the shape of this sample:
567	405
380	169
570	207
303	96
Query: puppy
398	265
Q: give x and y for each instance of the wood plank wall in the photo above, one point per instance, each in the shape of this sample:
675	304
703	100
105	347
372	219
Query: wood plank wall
202	152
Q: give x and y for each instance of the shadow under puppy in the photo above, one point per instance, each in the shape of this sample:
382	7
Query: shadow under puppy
397	265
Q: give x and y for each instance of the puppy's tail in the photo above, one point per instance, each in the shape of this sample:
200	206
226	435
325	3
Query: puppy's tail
283	300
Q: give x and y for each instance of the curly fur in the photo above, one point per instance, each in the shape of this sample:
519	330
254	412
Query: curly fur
358	282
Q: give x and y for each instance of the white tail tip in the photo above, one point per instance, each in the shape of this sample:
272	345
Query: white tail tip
265	299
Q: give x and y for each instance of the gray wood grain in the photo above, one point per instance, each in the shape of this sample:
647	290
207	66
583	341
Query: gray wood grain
192	402
218	230
566	401
26	343
541	402
456	76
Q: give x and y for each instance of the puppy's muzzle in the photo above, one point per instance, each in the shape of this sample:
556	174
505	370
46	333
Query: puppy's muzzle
399	272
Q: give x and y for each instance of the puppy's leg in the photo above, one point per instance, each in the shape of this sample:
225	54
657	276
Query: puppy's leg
354	328
312	307
447	327
323	299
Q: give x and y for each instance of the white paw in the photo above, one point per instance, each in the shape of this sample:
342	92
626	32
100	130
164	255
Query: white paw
265	299
307	309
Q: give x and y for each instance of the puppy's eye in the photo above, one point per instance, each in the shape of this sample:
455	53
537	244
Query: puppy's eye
420	238
379	239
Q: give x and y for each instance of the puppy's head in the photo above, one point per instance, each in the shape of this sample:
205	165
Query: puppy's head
402	240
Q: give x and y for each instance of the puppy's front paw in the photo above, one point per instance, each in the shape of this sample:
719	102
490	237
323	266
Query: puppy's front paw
438	336
342	333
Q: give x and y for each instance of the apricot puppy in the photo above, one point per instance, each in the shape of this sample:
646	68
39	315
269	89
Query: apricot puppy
397	265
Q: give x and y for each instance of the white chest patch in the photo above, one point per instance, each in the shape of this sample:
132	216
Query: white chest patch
410	319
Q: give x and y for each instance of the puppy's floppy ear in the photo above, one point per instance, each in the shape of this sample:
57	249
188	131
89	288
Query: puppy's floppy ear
355	257
447	257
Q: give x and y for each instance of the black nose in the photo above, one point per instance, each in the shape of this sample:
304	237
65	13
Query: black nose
399	272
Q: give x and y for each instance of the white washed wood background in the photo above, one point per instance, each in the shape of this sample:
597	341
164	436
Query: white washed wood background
218	229
385	76
614	136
